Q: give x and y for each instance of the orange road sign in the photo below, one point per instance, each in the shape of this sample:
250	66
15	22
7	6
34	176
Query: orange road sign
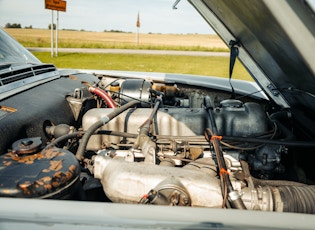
56	5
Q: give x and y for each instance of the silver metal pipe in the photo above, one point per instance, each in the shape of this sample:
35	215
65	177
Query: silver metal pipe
127	182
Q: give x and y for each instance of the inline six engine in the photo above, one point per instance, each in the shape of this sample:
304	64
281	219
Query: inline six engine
138	141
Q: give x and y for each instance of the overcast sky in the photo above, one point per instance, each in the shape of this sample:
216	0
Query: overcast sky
156	16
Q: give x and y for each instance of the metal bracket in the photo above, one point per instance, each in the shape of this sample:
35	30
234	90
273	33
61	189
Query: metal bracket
273	89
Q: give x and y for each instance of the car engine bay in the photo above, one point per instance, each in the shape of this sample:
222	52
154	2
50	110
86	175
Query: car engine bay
91	137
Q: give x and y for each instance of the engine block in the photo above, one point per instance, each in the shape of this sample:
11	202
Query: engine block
232	120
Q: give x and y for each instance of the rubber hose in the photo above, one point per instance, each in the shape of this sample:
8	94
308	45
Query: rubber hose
298	199
106	98
84	141
64	137
79	134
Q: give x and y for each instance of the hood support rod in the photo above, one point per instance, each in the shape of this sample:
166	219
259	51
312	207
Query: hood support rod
233	55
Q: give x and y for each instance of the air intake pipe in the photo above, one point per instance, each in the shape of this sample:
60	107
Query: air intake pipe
127	182
297	199
277	195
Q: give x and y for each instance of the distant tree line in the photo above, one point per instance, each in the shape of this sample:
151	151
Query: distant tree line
14	25
116	31
17	26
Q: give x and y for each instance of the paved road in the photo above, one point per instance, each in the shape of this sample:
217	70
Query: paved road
131	51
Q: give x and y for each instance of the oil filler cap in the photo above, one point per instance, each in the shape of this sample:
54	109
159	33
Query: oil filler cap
27	145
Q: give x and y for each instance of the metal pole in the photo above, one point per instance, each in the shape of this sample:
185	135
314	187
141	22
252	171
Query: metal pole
52	33
138	26
57	28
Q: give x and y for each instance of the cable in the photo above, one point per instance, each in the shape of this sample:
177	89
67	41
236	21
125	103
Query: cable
249	94
233	196
291	89
304	144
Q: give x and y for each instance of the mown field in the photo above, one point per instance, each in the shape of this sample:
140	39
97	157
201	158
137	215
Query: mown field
210	66
85	39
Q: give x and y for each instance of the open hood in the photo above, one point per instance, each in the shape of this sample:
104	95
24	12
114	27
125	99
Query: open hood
154	139
275	40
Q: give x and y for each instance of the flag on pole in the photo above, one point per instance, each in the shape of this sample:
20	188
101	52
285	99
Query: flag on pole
138	21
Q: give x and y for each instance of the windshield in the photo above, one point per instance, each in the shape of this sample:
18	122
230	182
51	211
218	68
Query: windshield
11	52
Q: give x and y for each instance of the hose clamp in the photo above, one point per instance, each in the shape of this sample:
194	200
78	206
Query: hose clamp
234	195
105	119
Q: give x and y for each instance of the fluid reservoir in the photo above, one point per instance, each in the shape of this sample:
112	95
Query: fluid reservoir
235	118
29	172
114	87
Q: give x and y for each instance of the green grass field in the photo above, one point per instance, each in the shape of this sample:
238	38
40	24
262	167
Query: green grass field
209	66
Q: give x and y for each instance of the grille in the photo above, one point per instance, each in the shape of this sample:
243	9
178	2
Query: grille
20	74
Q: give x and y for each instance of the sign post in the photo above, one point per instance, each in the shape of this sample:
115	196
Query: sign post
57	29
52	33
138	26
58	5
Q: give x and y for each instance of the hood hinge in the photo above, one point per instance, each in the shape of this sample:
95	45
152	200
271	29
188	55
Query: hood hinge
273	89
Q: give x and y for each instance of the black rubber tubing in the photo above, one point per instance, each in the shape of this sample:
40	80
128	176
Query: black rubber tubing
84	141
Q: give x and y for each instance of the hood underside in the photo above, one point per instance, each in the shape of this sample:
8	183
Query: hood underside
275	42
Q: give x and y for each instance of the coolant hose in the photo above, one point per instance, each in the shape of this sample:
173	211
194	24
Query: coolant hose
101	93
84	141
